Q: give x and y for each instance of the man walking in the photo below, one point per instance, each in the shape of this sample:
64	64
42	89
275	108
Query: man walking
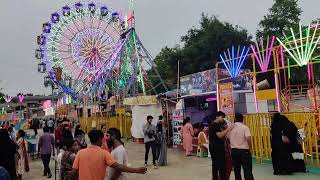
149	131
240	141
91	163
45	147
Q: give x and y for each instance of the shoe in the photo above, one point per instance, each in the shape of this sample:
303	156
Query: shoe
49	176
155	167
145	164
44	173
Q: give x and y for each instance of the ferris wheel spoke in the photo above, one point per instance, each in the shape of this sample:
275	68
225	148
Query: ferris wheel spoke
58	42
68	27
57	50
92	20
75	24
59	30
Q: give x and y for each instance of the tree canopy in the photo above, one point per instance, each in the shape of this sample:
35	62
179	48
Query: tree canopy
201	48
283	15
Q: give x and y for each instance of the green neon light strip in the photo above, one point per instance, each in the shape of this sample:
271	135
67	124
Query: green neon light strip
303	54
139	63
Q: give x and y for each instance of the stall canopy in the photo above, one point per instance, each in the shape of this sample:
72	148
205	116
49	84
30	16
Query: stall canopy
140	100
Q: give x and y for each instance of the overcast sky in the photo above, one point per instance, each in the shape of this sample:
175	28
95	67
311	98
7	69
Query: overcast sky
159	23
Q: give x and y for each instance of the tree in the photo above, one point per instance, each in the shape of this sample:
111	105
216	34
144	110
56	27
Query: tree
201	48
282	15
2	96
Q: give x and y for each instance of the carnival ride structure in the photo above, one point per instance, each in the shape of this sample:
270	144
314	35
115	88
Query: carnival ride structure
91	49
279	56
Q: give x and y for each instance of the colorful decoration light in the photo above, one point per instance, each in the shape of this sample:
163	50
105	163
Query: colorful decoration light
79	40
2	111
234	61
210	99
89	48
21	98
302	50
263	54
8	98
46	104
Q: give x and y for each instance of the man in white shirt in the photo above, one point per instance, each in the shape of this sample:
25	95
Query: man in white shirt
118	154
240	142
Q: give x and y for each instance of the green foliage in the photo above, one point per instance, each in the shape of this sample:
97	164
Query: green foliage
282	15
2	96
201	48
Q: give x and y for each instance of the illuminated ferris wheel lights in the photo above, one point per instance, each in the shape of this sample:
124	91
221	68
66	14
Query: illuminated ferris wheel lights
80	47
66	11
92	7
104	11
39	54
55	17
46	28
41	40
78	5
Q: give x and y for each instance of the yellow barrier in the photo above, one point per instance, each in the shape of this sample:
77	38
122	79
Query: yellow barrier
121	122
259	125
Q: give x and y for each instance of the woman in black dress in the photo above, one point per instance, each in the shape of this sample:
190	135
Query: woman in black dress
8	149
287	153
281	155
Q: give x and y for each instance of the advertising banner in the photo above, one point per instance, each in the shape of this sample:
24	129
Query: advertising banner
205	82
201	82
226	104
177	121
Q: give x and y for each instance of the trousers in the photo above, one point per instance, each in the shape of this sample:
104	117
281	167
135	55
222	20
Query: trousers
242	158
46	160
154	152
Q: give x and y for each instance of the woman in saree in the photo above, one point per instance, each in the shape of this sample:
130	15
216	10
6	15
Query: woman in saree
22	161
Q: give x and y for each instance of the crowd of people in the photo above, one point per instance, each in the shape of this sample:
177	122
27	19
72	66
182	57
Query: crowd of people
13	154
228	145
106	153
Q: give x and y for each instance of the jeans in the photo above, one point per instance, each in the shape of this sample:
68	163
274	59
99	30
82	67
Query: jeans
46	160
242	157
154	152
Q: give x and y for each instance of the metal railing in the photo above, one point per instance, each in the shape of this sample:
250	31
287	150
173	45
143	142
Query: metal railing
259	125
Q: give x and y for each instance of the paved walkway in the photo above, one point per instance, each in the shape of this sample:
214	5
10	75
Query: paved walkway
179	168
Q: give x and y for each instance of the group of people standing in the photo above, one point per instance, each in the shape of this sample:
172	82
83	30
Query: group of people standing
13	155
228	145
155	138
104	158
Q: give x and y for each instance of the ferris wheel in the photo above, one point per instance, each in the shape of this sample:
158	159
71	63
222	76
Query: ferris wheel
89	49
78	43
